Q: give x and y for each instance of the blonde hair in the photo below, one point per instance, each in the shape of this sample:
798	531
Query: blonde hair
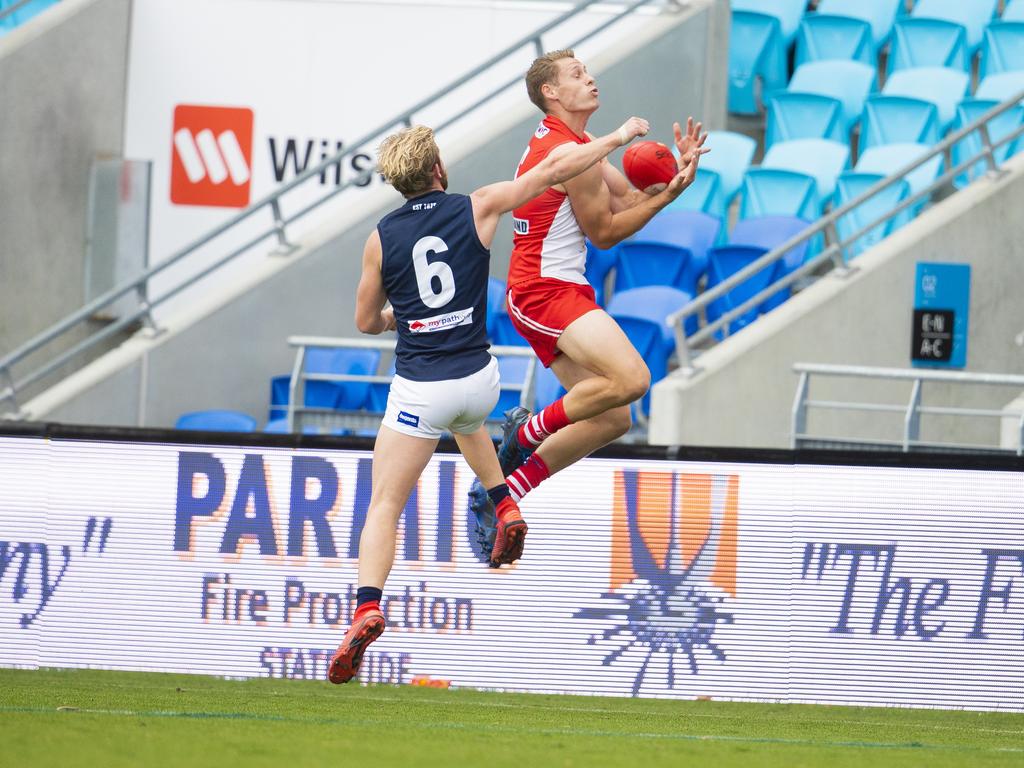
407	159
545	70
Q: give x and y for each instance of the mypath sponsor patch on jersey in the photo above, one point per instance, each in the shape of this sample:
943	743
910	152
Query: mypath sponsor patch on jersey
442	322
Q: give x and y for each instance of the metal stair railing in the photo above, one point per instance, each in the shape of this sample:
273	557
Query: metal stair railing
11	385
300	416
912	411
836	251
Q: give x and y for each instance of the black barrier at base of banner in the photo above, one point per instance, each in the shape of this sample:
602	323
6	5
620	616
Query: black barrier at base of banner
823	456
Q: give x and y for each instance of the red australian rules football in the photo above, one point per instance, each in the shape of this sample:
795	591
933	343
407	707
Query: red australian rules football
649	165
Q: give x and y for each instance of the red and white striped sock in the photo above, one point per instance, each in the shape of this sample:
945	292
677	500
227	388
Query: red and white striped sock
532	473
544	424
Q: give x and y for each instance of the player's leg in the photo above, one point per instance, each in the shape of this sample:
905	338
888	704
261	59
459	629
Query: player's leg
501	527
398	461
509	534
603	374
405	442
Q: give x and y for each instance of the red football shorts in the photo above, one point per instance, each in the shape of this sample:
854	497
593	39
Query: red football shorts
540	309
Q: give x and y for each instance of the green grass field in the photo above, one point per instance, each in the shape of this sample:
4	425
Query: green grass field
88	718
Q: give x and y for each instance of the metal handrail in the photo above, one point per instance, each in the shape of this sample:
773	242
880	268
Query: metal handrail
836	251
272	201
912	411
299	377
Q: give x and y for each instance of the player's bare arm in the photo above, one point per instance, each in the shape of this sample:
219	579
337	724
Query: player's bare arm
371	316
562	163
623	194
592	203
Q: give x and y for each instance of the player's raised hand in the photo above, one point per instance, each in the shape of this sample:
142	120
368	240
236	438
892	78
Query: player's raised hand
635	126
687	171
686	143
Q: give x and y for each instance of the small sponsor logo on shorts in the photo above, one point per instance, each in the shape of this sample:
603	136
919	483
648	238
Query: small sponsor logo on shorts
408	419
520	226
542	131
442	322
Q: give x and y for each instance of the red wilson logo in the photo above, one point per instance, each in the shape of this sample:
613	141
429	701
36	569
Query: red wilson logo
211	157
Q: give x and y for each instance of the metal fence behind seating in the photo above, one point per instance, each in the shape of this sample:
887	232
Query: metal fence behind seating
302	417
912	410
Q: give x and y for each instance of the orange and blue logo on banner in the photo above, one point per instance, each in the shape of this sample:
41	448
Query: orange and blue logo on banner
673	565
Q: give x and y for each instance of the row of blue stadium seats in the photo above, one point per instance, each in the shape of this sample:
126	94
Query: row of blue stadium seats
944	33
20	13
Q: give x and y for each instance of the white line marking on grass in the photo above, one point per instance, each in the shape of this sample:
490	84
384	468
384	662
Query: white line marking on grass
518	730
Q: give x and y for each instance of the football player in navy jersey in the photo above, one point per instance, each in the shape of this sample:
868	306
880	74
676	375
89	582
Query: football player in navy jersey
430	260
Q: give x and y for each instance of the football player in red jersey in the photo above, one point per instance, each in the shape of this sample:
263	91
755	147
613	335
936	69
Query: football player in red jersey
550	302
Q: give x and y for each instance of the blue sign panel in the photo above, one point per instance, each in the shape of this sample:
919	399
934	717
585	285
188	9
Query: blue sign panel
942	298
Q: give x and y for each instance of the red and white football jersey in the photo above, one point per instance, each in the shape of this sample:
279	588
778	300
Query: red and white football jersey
547	240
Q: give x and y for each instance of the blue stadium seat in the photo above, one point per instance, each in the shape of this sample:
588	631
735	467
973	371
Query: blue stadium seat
772	192
377	401
1014	11
704	195
280	427
942	86
880	14
820	158
1003	125
851	186
823	36
279	386
804	116
918	42
216	421
547	388
505	334
755	51
972	14
1003	48
649	340
787	12
898	119
655	303
730	156
598	266
646	263
341	395
512	372
694	231
891	158
725	261
495	302
1000	86
770	232
848	81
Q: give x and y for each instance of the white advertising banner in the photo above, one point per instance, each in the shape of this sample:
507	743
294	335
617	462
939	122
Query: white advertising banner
229	99
878	586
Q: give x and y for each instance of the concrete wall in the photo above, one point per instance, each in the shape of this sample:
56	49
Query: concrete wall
62	102
743	394
223	354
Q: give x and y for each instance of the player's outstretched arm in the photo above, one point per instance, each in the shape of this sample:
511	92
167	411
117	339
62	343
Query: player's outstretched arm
371	316
603	222
562	163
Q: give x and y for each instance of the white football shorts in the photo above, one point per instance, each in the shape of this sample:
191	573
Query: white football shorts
430	408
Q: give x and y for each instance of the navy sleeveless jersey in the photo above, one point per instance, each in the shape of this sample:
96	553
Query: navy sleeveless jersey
435	271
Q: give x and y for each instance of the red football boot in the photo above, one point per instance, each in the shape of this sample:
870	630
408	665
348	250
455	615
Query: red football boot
345	662
510	536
